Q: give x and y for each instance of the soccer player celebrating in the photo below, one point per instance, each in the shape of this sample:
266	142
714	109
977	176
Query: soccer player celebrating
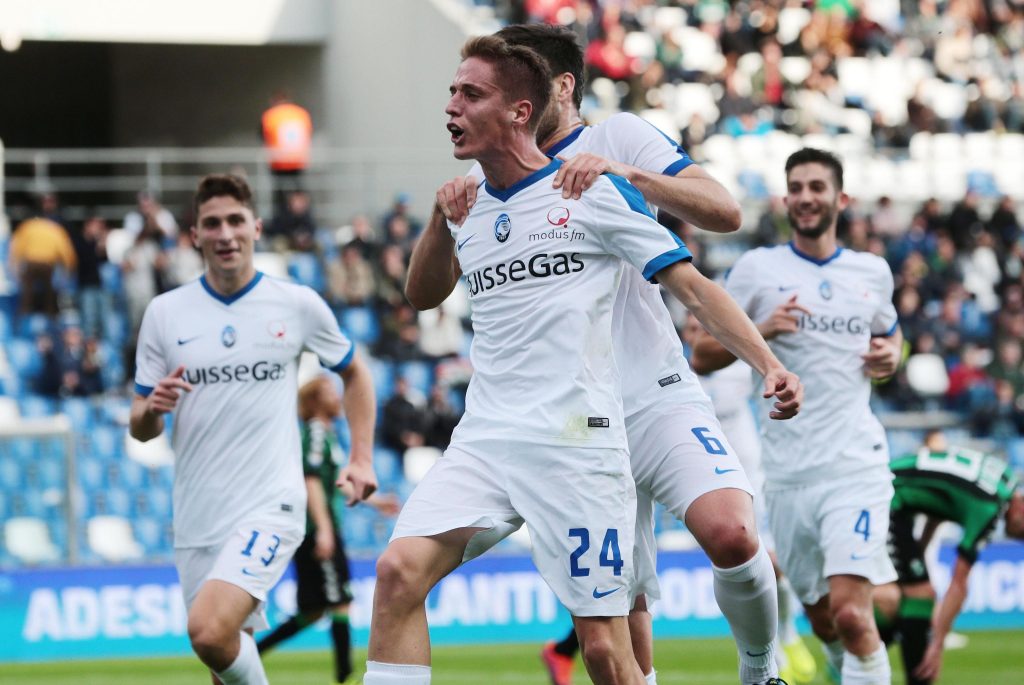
827	312
679	455
969	488
542	440
222	353
321	566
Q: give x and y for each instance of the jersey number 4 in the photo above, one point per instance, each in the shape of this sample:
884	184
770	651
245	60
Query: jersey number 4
610	555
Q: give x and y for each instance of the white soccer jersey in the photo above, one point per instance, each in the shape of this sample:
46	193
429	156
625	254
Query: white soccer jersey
542	274
646	344
235	436
850	299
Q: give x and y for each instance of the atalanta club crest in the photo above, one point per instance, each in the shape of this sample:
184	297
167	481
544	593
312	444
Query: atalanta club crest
228	336
558	216
502	227
825	290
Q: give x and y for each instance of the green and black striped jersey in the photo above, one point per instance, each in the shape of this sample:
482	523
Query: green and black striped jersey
961	485
322	457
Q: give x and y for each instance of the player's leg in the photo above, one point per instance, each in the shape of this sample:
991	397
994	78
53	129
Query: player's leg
215	622
645	582
604	642
341	643
641	635
914	597
854	530
683	457
886	600
409	567
723	523
819	614
560	658
460	509
338	596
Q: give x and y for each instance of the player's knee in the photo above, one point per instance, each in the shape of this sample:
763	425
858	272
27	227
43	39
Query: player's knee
398	579
598	651
851	621
732	542
209	639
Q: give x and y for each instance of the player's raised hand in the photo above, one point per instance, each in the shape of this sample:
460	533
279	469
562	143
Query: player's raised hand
164	397
785	319
357	481
786	387
883	357
579	173
456	197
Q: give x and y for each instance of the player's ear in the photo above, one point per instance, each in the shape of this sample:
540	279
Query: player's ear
565	85
844	200
521	112
259	228
193	233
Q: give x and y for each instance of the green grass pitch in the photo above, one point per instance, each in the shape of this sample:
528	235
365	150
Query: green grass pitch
991	658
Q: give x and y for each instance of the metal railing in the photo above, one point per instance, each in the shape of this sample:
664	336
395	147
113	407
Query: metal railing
342	182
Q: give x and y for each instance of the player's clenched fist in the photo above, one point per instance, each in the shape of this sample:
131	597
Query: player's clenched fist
456	197
785	386
164	397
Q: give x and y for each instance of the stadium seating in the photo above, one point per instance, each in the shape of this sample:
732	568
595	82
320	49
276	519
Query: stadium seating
27	539
111	538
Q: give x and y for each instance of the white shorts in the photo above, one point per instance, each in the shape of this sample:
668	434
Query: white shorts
578	505
837	527
678	452
254	558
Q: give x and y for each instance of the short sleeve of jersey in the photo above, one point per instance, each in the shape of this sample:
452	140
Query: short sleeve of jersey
644	145
885	320
741	282
632	232
150	359
323	337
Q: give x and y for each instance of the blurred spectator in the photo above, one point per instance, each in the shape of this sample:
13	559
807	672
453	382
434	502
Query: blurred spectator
293	226
773	225
1004	223
1008	365
49	208
94	303
885	220
607	57
141	265
402	419
48	381
965	222
969	387
440	418
72	368
400	334
150	216
37	248
287	131
364	239
350	278
401	233
391	280
183	263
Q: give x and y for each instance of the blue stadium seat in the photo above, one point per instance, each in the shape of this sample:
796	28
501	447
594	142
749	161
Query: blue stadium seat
1015	453
383	378
24	357
36	406
305	268
387	464
983	183
108	441
31	325
51	473
360	324
81	413
111	277
150	532
753	185
118	502
159	503
92	472
6	330
419	375
115	328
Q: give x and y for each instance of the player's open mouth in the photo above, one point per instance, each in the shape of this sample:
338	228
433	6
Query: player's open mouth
456	132
226	253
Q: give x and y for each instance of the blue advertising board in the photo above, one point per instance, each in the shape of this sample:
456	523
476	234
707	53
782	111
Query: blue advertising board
47	614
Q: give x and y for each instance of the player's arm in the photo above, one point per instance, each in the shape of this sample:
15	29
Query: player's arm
724	319
691	195
710	355
361	412
946	611
434	268
320	514
884	355
146	420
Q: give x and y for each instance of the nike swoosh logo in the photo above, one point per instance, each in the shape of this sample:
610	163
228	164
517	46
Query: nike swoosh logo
855	557
783	288
458	246
185	341
247	572
719	470
599	595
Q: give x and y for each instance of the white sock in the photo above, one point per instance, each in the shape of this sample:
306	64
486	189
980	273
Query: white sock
746	596
787	613
379	673
246	669
872	669
652	678
834	653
